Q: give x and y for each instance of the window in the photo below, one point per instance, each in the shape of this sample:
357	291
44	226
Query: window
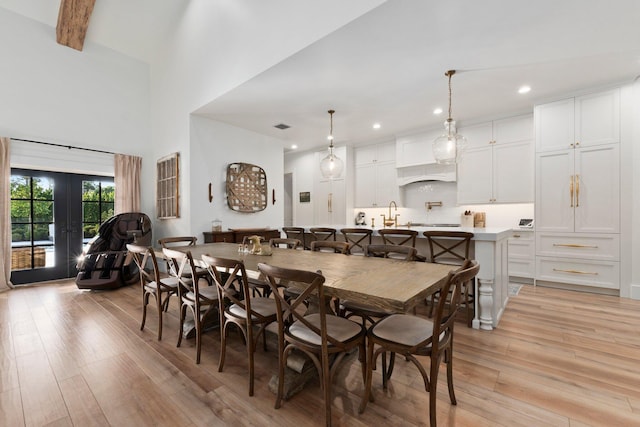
167	190
97	206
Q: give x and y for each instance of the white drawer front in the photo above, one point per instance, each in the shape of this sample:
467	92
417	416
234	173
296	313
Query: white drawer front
521	267
601	274
521	248
574	245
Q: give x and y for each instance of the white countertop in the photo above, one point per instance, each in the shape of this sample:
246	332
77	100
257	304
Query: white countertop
484	234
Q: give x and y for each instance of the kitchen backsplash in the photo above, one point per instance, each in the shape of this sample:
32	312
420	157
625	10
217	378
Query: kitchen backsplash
412	207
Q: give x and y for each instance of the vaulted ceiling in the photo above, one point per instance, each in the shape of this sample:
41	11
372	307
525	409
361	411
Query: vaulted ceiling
388	65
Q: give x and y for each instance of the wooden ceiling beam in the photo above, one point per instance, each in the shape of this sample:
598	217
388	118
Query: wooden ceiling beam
73	22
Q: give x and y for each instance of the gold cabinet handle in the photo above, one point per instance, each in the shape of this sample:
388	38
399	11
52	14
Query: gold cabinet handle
577	191
574	245
571	190
576	271
329	203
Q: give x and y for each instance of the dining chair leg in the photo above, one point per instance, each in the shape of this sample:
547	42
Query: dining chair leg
223	344
145	301
251	353
158	298
326	381
433	388
449	361
196	317
183	314
370	364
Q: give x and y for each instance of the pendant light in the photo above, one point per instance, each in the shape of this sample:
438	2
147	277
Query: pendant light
448	147
331	166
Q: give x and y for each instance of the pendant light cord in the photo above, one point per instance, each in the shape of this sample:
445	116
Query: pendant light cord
449	74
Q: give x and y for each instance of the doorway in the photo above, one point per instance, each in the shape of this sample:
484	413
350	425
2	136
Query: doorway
288	199
53	214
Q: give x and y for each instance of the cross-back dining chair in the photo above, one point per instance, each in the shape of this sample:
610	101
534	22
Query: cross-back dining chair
358	238
176	241
151	283
452	248
411	336
323	337
199	300
330	246
279	242
322	233
296	233
237	307
401	237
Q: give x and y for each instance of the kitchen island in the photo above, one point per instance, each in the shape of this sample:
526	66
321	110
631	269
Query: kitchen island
489	248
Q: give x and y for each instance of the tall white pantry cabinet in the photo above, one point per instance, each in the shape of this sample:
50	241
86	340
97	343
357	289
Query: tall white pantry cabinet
577	200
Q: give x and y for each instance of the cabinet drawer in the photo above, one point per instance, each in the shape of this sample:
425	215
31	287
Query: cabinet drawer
574	245
521	267
521	248
600	274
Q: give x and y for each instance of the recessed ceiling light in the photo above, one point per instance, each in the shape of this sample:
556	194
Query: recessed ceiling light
524	89
294	146
437	111
376	125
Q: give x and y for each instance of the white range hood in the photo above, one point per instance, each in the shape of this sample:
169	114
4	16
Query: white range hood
428	172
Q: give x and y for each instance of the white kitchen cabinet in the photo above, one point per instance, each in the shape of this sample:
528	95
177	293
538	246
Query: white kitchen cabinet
416	149
583	121
375	175
330	202
498	165
578	191
522	255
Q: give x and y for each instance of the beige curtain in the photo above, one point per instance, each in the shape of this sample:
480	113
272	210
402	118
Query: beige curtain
5	215
127	181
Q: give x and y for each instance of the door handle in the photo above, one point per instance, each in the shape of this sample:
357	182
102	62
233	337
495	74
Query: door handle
577	191
329	203
571	190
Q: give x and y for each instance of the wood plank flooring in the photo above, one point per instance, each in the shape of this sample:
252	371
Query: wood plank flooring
77	358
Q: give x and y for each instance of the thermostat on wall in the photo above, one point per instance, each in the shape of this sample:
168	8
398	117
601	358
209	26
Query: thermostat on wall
526	223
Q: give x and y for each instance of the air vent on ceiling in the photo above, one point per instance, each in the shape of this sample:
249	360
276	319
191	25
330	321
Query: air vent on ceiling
282	126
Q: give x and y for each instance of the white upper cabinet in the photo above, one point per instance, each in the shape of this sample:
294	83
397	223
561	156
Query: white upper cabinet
375	175
587	120
498	164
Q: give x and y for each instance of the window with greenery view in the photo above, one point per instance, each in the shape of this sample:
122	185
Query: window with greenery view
31	210
97	206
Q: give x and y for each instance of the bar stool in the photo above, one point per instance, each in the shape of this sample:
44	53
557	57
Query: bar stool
400	236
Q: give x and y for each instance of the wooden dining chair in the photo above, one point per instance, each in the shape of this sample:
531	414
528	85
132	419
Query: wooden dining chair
452	248
323	337
176	241
411	336
358	238
279	242
200	301
238	308
151	283
296	233
402	237
322	233
331	246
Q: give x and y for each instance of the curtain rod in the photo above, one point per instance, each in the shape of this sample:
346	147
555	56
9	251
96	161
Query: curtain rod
70	147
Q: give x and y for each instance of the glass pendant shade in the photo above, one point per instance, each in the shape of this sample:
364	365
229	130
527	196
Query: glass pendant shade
448	147
331	166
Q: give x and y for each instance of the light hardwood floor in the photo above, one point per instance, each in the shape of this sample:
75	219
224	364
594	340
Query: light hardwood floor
71	357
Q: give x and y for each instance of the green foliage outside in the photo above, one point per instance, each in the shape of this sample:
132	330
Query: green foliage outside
94	212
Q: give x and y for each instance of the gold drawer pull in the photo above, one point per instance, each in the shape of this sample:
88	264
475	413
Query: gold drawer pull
575	271
573	245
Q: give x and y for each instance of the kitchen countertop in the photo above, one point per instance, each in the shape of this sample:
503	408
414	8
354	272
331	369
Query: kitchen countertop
481	234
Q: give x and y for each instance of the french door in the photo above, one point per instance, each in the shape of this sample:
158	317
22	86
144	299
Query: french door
52	215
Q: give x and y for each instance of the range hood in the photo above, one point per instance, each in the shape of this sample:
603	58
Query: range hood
428	172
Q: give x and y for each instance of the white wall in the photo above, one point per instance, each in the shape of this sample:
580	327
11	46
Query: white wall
217	145
216	46
96	98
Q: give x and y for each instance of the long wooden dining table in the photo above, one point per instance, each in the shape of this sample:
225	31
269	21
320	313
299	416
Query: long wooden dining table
381	282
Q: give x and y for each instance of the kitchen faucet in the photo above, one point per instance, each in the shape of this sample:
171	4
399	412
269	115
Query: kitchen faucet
387	221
